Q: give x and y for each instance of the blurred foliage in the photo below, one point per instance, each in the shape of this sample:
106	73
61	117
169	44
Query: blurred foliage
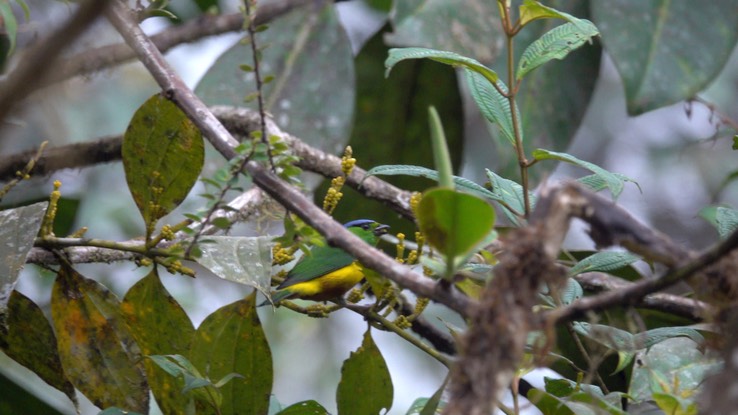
116	352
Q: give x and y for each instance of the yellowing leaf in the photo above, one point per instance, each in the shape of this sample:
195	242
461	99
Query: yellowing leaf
98	353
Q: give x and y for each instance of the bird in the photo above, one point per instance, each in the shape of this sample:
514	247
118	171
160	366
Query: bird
327	272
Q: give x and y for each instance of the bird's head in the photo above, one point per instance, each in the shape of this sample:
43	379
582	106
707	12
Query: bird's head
368	225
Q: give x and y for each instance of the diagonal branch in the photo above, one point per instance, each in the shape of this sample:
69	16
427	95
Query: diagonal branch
175	89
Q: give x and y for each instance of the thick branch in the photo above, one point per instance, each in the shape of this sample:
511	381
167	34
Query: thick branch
38	61
240	122
206	25
286	195
669	303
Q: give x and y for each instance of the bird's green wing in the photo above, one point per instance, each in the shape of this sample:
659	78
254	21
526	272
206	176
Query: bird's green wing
323	260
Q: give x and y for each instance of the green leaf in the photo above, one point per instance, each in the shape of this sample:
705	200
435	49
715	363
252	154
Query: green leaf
532	10
448	58
163	154
545	122
604	262
193	384
18	229
666	51
245	260
313	90
675	405
548	403
304	408
493	105
571	292
655	336
231	340
614	183
161	327
510	194
30	341
10	25
726	220
454	222
99	355
386	110
596	183
365	387
460	183
433	405
441	158
117	411
674	366
621	340
470	27
555	44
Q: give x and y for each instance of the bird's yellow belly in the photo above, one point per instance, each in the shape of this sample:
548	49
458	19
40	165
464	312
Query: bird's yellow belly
330	285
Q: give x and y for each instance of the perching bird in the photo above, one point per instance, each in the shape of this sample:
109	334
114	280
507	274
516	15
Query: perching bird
328	272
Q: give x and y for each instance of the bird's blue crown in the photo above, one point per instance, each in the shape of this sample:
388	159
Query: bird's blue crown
357	222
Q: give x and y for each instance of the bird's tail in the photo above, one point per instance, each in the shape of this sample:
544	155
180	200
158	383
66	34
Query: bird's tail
277	296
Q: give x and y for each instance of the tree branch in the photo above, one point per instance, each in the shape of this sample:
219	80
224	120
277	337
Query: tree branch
669	303
38	61
240	122
175	89
206	25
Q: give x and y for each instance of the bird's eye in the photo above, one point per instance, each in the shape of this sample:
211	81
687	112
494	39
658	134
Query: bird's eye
365	226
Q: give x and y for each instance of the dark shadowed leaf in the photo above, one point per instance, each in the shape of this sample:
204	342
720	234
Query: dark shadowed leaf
18	229
231	340
98	353
365	387
30	341
313	91
160	327
666	51
163	154
304	408
388	109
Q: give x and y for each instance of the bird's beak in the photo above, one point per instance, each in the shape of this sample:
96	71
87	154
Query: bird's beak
381	230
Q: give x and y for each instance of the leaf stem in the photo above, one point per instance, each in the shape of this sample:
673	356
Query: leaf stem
520	150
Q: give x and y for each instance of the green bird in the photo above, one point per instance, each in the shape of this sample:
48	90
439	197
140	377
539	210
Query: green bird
328	272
